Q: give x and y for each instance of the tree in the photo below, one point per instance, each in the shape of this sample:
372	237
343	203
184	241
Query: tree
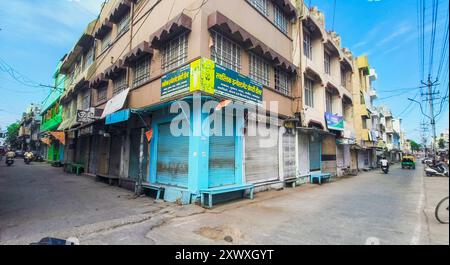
415	146
441	143
12	134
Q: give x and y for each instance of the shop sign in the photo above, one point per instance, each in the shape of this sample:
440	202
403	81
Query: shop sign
87	130
345	141
334	122
87	116
204	75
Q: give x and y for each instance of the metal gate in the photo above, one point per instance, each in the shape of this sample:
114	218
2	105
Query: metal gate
289	168
262	160
172	158
103	158
222	163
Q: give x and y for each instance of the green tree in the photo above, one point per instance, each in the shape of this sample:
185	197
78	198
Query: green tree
12	134
415	146
441	143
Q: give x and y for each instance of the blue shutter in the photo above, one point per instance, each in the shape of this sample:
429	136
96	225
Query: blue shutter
315	150
173	158
222	163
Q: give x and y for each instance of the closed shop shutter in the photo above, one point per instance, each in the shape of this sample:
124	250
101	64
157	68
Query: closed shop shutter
262	162
315	153
303	153
289	168
347	157
340	160
172	158
222	163
93	154
135	143
103	159
115	155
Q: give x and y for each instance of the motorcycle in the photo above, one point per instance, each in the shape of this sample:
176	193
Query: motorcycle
385	169
28	158
436	170
9	161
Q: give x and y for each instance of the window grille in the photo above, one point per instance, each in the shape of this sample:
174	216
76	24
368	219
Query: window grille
141	71
259	70
174	53
225	52
282	82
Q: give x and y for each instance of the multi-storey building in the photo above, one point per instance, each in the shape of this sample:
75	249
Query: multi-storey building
29	128
187	96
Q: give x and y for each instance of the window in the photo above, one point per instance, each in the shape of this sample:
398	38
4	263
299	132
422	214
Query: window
259	70
102	94
327	62
343	78
361	98
329	102
174	54
86	101
282	82
280	19
106	41
225	52
261	5
89	58
120	83
364	123
141	71
309	92
307	47
123	24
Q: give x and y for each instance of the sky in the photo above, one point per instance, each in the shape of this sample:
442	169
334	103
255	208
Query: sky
34	35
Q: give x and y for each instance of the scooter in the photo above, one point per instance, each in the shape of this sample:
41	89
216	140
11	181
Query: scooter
27	160
437	170
9	161
385	169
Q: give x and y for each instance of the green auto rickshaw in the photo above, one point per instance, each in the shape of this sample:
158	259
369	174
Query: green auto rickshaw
409	162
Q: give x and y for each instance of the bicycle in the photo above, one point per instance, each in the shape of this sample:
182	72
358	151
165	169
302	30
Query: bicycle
441	211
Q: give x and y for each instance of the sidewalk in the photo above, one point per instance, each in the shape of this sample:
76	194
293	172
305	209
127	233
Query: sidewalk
436	188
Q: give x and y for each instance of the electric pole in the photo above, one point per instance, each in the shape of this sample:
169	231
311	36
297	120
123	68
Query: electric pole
430	98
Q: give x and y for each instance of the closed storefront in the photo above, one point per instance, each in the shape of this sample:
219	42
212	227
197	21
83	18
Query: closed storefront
82	150
93	154
135	142
303	154
115	155
363	159
172	158
289	156
329	154
315	153
261	154
222	162
103	156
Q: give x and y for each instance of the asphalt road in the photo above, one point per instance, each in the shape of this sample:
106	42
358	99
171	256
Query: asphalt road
372	208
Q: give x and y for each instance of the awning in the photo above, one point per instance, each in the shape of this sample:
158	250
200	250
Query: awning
142	49
104	29
68	123
314	131
114	70
117	117
333	89
218	21
313	27
97	81
116	103
179	24
311	73
120	10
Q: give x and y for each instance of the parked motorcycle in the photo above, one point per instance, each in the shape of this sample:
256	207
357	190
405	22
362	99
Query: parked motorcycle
437	170
9	161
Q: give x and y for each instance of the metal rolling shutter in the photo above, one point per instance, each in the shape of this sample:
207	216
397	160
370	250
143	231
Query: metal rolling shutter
103	159
222	163
289	169
261	164
173	158
315	156
93	155
303	153
115	155
135	143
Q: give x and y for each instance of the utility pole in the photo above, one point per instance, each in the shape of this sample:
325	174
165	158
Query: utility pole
430	98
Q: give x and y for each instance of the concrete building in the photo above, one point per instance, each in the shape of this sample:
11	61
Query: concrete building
29	128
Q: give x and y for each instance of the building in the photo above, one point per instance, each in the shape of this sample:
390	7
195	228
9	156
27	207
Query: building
52	147
29	128
191	95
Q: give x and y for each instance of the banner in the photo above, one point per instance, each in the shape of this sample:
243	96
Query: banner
46	141
334	122
60	136
149	135
204	75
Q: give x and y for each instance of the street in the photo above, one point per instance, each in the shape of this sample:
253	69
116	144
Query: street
373	208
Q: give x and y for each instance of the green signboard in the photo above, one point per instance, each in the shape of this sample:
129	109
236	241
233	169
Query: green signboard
204	75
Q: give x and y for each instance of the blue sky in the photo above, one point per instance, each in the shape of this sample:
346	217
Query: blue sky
34	35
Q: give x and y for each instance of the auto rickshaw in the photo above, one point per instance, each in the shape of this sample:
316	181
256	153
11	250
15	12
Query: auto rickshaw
409	162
